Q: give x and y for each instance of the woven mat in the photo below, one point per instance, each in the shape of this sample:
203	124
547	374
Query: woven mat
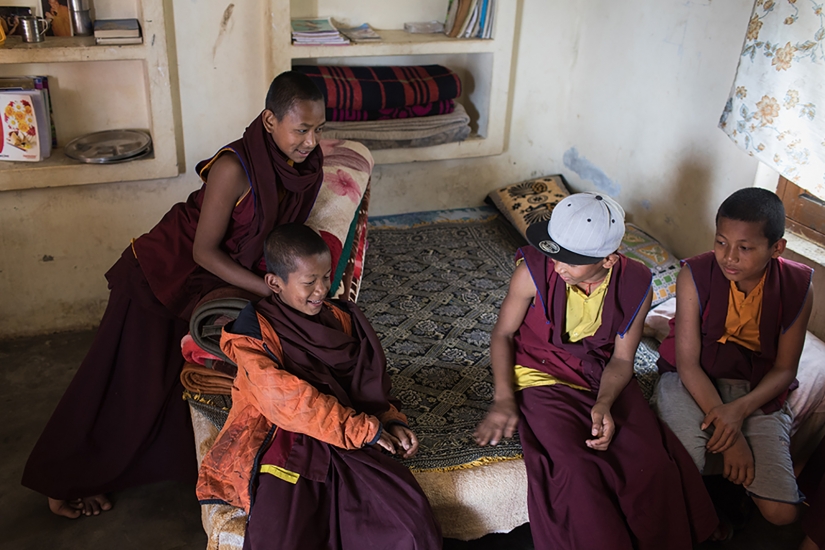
432	293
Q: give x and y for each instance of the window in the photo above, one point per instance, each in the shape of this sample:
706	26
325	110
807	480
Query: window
804	213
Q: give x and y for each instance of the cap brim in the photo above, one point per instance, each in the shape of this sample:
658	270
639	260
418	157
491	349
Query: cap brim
539	238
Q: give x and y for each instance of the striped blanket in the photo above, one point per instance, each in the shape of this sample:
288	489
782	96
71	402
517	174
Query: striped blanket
375	88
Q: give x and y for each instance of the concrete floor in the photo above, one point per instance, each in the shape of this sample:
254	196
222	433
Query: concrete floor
33	374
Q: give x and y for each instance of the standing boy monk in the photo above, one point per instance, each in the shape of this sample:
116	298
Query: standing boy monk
732	353
122	421
300	451
602	471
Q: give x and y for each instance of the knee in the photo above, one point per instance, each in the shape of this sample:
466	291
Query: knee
778	513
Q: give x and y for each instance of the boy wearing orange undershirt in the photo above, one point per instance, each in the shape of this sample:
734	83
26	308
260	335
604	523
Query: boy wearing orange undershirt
732	353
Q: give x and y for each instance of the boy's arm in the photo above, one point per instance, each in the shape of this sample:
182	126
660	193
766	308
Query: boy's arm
689	344
226	184
293	404
773	383
502	418
617	373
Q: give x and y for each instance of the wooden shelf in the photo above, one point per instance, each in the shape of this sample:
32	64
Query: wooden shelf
398	42
65	49
485	63
59	170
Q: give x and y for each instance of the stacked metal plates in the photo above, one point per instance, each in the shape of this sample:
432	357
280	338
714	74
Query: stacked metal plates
110	146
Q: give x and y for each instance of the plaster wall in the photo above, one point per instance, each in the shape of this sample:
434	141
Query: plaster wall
622	98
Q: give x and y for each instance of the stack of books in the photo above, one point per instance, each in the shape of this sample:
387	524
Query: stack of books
26	119
117	31
470	18
312	32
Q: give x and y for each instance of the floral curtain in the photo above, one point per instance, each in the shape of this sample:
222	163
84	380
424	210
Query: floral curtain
779	87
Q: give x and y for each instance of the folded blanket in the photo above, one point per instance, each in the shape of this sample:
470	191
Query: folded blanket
199	380
213	311
439	108
400	129
447	136
375	88
192	352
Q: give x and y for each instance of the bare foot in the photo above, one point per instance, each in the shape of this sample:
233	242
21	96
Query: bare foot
723	532
93	505
808	544
67	508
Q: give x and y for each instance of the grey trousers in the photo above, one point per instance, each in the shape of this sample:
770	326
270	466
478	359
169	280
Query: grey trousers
768	435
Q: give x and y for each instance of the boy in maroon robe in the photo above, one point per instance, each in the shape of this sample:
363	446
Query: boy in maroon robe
122	421
733	350
602	471
300	451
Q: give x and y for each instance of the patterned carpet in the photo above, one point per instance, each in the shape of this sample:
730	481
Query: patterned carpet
432	292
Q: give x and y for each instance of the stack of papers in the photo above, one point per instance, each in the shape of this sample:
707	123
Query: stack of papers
321	31
361	33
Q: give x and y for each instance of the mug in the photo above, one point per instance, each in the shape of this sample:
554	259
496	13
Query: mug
30	27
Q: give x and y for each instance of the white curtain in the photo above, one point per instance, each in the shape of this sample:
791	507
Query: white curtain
776	103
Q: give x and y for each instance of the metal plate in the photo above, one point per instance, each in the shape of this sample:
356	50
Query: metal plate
108	146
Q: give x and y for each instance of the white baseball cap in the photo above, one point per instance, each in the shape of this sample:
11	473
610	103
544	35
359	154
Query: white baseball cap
584	229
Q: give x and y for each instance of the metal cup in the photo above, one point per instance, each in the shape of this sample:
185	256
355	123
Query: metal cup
81	18
33	28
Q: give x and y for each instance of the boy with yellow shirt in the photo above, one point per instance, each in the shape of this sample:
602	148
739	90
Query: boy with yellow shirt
602	471
732	353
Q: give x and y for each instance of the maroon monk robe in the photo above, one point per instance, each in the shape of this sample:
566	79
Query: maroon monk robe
783	296
361	499
122	421
644	492
812	484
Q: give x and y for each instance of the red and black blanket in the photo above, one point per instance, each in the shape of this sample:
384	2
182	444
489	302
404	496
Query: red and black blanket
376	88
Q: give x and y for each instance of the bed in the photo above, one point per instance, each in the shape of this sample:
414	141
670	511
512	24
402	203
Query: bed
432	286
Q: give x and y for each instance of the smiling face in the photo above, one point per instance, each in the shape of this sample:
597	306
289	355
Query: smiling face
306	287
297	134
585	274
743	251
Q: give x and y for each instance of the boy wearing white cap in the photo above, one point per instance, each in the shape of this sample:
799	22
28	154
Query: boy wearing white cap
602	471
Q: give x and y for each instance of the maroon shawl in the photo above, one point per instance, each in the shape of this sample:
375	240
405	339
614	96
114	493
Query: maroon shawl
786	287
352	368
281	194
540	342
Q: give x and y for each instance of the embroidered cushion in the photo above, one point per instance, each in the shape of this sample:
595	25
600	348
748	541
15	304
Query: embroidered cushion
529	202
663	265
532	201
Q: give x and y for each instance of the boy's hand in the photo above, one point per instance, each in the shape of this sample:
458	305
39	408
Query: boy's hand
388	442
501	420
407	442
727	426
602	429
739	468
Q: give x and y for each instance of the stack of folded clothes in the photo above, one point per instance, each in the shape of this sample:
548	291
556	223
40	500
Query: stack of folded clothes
391	107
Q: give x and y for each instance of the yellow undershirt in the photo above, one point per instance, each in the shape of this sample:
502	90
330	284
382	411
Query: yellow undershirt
583	317
743	317
584	312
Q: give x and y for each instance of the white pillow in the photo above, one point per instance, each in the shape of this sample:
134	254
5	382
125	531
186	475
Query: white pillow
656	322
809	397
